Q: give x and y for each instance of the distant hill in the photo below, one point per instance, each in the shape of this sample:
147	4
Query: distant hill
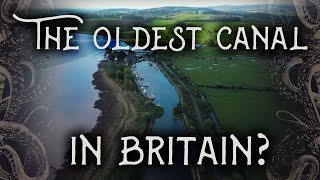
211	9
168	10
173	9
259	7
118	10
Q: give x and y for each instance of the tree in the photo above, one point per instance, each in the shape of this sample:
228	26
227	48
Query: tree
128	85
127	70
178	109
128	76
119	74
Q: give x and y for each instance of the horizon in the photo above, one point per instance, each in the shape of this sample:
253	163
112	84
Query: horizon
77	8
142	4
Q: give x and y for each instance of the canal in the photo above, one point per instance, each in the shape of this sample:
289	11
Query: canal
167	97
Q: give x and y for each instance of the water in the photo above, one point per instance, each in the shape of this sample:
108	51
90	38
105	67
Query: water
72	95
167	97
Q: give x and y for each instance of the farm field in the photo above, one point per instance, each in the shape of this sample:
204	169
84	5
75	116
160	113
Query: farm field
241	110
208	35
222	68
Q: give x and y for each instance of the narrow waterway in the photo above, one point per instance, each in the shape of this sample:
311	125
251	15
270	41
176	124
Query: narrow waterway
167	97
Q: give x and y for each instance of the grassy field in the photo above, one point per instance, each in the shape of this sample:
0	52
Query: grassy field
193	17
245	111
210	28
224	68
240	110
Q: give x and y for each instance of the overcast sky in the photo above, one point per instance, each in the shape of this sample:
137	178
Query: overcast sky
141	4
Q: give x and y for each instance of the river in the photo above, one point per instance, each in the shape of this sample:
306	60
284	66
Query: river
73	97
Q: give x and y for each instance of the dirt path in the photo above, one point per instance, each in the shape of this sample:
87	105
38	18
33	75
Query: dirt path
128	115
128	107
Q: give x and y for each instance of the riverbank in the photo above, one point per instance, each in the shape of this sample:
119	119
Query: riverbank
123	112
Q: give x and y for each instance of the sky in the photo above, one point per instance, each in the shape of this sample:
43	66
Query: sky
143	4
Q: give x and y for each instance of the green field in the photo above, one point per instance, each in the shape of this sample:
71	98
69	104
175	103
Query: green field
210	66
243	110
208	35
